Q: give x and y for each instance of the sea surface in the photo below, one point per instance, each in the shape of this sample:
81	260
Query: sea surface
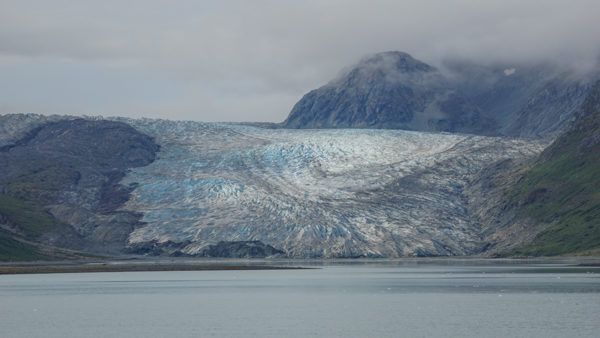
407	298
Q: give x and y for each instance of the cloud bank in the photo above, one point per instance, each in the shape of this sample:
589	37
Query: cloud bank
252	60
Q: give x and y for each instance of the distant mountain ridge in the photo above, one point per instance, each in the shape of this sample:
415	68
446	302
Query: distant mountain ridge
393	90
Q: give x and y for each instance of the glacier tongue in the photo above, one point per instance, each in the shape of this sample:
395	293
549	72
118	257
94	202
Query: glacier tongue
312	193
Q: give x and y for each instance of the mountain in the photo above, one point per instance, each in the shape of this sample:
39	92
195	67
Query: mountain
552	205
395	91
389	90
72	187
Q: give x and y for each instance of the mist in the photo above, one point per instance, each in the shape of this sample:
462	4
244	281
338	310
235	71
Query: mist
251	61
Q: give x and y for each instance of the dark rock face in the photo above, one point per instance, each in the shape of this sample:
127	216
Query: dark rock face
69	171
240	249
394	90
155	248
222	249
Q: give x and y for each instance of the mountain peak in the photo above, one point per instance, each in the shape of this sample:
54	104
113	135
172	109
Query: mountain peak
391	68
394	61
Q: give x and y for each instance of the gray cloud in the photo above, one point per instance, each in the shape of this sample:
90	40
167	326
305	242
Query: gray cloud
251	60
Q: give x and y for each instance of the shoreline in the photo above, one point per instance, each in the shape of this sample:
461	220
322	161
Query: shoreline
137	264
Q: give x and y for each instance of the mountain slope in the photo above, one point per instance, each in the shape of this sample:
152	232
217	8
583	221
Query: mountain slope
562	190
551	205
524	100
59	182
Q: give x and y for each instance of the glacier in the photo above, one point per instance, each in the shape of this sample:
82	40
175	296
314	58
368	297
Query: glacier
312	193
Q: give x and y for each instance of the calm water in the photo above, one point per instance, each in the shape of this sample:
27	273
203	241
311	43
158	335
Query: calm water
345	300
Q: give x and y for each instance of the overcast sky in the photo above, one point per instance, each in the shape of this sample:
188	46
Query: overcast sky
252	60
